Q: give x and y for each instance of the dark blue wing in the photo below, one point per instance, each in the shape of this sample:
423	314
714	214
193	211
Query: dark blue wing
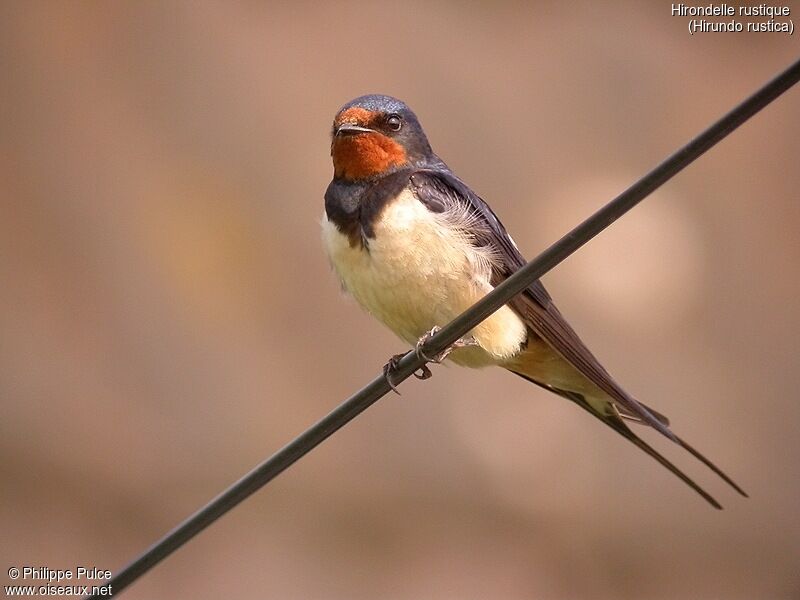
438	189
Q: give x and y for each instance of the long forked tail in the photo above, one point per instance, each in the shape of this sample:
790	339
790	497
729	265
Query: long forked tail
685	445
711	466
617	424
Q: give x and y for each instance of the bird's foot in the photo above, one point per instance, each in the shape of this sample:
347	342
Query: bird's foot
424	372
390	367
460	343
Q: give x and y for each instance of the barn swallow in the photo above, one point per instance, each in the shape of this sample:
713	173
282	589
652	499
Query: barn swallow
415	246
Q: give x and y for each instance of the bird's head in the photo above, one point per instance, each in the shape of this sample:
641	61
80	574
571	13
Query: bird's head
374	135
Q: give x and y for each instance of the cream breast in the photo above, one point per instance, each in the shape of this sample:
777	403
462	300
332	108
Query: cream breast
421	270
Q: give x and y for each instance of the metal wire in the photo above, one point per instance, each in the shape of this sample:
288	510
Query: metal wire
456	329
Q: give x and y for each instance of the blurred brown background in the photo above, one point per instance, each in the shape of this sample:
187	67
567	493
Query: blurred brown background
168	318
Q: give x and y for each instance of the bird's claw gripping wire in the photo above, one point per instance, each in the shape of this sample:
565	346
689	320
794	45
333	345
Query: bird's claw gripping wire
460	343
424	371
390	367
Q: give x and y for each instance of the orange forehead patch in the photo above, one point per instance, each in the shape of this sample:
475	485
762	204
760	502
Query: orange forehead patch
356	115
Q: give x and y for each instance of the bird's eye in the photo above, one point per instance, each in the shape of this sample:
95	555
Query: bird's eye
394	122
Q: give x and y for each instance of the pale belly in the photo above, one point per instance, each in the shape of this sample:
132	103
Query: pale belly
417	274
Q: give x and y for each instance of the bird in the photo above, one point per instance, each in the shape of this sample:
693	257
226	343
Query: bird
416	246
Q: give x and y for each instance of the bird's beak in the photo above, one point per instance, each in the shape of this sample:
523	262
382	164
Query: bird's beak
351	129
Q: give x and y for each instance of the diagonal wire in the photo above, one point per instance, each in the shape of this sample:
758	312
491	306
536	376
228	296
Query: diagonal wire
456	329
